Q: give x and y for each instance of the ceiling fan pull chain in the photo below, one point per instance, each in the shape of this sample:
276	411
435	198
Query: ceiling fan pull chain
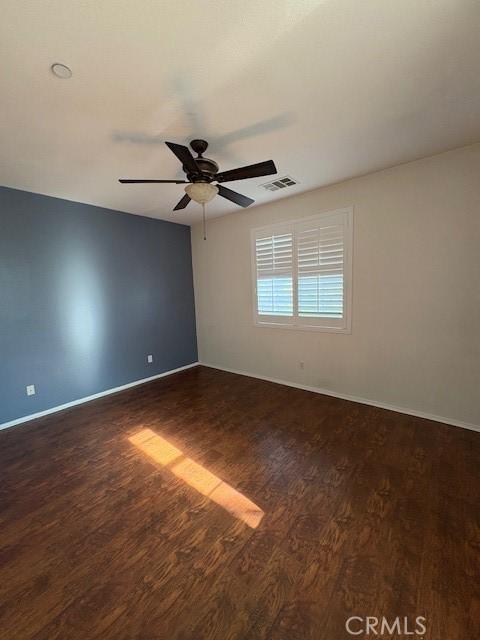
204	223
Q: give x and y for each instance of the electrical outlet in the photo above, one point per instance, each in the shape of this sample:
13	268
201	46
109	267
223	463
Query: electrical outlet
30	390
149	359
301	365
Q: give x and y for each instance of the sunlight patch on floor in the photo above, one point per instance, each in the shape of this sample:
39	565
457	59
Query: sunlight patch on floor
196	476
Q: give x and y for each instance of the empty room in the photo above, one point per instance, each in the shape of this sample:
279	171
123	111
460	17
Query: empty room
239	319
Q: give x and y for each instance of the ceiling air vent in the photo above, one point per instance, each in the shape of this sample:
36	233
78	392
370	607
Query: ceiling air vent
280	183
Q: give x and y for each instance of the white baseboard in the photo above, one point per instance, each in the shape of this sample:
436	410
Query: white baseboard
74	403
296	385
344	396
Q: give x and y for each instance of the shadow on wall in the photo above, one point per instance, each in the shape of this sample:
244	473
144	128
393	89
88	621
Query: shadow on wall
81	309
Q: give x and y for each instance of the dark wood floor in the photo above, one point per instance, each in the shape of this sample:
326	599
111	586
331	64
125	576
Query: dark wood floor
366	512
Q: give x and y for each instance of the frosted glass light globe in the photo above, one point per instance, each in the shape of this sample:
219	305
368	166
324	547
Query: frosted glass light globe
201	192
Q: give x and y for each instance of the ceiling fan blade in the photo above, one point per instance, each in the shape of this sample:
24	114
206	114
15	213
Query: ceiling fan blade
183	202
266	168
184	155
235	197
128	181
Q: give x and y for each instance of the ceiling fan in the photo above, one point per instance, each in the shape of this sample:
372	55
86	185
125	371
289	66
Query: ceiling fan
202	172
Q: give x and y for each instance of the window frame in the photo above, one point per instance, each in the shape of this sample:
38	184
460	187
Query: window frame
296	322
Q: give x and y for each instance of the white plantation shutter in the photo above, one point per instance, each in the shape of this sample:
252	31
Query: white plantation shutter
274	273
320	264
302	273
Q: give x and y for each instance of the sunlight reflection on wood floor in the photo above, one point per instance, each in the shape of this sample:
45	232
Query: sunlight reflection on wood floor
198	477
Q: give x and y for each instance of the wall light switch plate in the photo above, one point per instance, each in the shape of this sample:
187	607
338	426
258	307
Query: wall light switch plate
149	359
30	390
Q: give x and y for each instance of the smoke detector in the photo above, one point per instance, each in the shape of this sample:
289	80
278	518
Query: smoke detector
61	70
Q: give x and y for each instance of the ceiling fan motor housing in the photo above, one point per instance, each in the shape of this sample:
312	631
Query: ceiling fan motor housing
206	168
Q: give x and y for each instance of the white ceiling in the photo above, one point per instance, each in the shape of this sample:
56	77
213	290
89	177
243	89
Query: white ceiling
328	89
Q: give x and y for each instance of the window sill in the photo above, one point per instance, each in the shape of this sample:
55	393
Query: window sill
302	327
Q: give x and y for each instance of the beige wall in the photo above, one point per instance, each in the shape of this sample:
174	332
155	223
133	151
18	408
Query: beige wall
415	340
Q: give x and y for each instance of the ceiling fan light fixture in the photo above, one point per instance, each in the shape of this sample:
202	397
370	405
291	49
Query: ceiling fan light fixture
201	192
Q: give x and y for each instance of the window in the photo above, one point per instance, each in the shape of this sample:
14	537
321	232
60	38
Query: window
302	273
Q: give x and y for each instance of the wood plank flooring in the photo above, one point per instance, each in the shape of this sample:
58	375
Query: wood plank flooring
366	512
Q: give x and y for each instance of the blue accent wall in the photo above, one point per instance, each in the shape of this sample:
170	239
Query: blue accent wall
85	295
